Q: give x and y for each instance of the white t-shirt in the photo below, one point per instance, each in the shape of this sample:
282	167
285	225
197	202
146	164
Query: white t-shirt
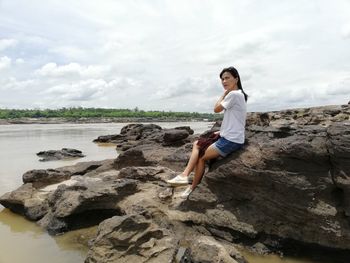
233	124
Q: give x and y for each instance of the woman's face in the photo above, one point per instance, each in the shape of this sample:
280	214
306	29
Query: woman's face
228	81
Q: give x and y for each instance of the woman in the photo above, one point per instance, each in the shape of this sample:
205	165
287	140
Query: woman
233	103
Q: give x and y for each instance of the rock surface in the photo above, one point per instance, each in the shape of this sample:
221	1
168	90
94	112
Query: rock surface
64	153
289	187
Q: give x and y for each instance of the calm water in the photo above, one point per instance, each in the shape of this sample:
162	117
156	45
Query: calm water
22	240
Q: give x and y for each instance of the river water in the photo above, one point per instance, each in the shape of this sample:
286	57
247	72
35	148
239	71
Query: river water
22	240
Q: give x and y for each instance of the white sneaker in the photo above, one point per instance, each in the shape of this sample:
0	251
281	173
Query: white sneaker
186	193
178	180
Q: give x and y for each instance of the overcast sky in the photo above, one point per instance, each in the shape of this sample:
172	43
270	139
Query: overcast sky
167	55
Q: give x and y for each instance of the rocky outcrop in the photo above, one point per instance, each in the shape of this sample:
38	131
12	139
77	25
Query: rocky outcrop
322	116
285	187
134	238
133	135
92	200
130	238
288	188
32	198
64	153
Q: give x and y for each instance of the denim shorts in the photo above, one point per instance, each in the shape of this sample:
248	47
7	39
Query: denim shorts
225	147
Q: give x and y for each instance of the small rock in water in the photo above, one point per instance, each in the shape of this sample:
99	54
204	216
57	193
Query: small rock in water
65	153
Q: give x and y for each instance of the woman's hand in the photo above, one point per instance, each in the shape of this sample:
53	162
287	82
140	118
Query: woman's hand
227	91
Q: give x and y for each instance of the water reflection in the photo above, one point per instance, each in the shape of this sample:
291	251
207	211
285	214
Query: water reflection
255	258
76	240
18	224
24	241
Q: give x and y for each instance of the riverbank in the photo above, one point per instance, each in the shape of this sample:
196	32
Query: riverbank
95	120
310	115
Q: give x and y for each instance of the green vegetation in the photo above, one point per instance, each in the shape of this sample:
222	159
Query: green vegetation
70	113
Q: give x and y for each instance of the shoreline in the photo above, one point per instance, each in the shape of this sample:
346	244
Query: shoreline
330	110
95	120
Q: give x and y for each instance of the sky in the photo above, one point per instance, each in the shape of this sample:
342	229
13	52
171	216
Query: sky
167	55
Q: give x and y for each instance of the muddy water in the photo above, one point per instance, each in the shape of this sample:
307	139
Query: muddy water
22	240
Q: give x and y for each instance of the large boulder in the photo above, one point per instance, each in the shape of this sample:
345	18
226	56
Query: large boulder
134	238
294	188
92	199
26	201
131	238
133	135
43	177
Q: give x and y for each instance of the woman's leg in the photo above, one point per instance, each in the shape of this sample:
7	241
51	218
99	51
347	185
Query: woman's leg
193	160
210	153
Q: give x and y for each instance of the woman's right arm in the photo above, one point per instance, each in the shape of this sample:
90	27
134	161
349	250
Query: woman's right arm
218	107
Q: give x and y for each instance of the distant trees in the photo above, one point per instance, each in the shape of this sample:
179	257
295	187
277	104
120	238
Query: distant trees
102	113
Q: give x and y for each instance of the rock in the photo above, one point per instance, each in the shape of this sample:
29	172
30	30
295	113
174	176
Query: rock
145	173
43	177
260	249
154	155
166	194
109	138
175	137
93	201
304	116
183	255
338	146
25	202
134	135
32	199
84	168
65	153
180	155
282	187
131	157
140	130
207	250
134	238
131	238
40	178
187	128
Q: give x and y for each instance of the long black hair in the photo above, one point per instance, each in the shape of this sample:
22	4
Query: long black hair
235	74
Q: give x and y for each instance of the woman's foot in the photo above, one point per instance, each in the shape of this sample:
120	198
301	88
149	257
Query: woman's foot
178	180
186	193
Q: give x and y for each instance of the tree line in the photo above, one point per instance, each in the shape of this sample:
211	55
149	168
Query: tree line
101	113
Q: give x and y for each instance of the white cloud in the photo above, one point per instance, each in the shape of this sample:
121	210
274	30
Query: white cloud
80	91
5	62
12	84
166	54
71	70
86	90
345	31
342	87
187	87
69	52
7	43
19	61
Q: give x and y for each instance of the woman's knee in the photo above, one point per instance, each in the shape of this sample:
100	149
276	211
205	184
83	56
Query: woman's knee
195	144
